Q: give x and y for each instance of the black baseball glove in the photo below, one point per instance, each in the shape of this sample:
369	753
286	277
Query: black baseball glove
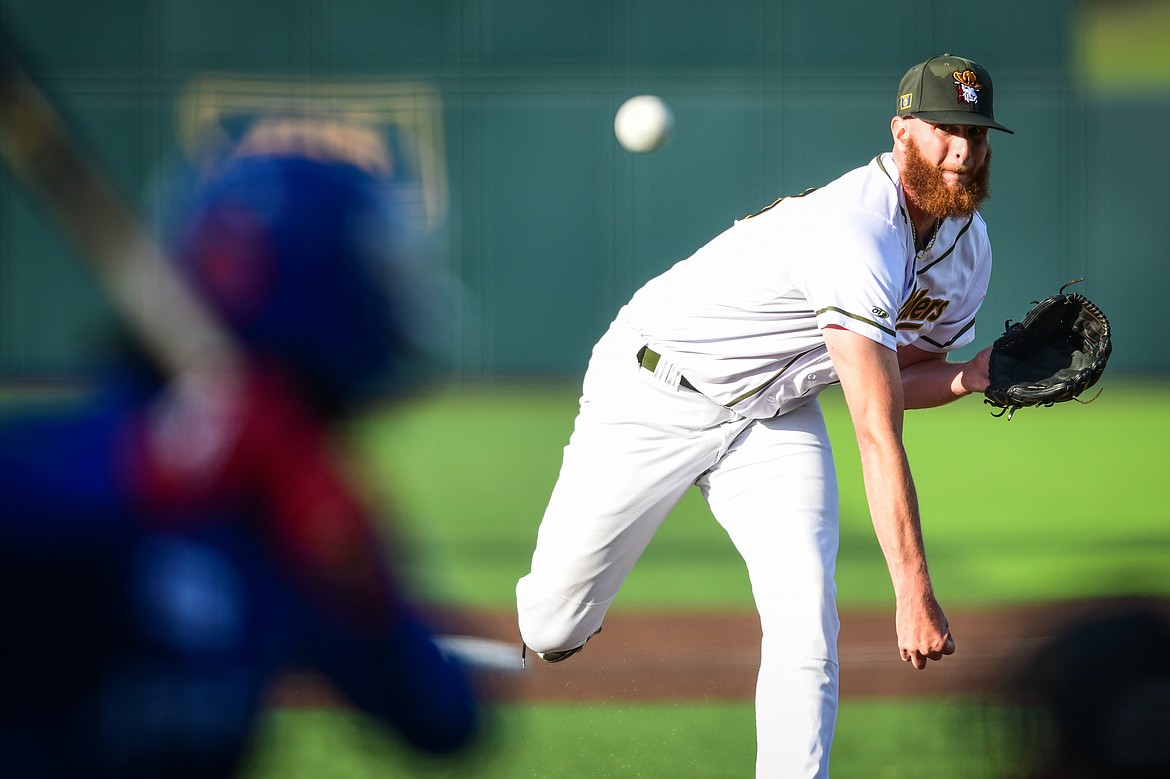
1055	354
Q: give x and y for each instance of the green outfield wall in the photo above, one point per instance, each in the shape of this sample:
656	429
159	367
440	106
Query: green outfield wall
499	114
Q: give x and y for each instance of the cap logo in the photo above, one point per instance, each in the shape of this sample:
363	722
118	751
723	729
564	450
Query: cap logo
905	101
968	86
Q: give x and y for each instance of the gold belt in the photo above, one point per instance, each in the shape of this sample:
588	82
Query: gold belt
648	359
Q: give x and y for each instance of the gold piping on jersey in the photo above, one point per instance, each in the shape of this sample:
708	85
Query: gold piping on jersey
938	227
938	345
941	257
767	383
947	253
905	216
777	202
859	318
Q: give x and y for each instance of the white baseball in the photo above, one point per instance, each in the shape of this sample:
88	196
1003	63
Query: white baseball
643	124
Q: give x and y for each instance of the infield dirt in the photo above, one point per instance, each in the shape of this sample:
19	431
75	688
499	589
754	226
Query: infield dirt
657	655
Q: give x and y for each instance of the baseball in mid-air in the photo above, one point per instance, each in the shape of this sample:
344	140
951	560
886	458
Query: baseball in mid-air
643	124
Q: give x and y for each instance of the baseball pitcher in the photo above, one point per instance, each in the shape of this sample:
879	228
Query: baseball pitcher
709	376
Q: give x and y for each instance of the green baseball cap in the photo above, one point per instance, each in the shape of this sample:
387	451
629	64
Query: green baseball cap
948	90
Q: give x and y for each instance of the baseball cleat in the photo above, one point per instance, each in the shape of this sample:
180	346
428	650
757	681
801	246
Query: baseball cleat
555	656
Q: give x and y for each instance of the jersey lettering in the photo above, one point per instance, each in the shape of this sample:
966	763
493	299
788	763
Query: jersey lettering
919	309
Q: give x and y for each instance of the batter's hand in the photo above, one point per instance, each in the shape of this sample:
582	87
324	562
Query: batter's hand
923	632
251	439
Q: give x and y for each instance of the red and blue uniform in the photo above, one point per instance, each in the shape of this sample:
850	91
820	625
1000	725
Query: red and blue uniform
156	579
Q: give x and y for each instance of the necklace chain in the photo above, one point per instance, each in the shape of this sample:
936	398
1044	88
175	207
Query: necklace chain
914	232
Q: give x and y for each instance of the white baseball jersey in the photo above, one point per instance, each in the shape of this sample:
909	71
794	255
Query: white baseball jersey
741	319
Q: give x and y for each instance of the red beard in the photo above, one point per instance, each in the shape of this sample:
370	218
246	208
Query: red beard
924	185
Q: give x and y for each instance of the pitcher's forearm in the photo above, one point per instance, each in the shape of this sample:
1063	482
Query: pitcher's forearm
894	512
932	382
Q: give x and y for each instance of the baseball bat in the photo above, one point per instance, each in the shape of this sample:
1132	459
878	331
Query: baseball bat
173	325
179	333
476	653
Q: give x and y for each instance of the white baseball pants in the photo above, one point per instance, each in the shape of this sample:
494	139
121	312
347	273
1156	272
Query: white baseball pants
638	444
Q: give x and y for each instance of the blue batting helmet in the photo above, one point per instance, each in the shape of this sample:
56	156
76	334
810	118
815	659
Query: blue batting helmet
296	256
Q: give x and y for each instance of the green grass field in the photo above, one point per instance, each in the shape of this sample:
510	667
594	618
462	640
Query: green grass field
696	740
1009	512
1057	503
